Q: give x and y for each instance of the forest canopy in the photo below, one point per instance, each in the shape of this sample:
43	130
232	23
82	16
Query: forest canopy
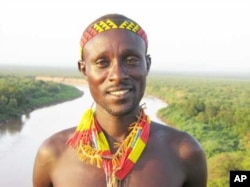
20	94
216	111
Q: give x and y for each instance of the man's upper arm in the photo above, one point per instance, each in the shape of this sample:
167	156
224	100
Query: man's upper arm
42	167
195	163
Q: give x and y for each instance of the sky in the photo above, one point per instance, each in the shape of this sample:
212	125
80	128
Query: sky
184	35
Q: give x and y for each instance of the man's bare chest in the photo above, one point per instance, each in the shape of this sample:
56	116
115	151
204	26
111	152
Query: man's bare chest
150	171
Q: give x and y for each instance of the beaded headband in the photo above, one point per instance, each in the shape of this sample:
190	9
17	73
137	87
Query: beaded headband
108	24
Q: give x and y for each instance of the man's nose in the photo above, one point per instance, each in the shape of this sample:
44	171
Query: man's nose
118	71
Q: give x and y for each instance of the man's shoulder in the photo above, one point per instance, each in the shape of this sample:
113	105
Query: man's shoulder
166	130
182	140
186	146
54	145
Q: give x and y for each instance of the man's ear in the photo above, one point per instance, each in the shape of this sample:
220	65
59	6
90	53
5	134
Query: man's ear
148	61
82	66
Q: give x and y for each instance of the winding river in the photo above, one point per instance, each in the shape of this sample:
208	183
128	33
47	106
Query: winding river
19	140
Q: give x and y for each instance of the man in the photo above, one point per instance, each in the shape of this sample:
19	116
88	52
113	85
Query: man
116	143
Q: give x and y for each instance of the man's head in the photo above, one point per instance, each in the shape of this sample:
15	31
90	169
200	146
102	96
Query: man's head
108	22
115	62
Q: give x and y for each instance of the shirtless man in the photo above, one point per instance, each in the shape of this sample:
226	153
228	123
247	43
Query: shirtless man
116	143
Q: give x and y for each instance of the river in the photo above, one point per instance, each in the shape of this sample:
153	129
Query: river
19	140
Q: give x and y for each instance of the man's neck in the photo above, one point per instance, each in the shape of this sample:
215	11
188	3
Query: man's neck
116	127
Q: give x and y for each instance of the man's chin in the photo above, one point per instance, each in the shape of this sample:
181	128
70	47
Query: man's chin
120	111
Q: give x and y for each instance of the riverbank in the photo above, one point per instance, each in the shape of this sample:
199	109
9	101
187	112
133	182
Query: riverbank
3	122
23	94
64	80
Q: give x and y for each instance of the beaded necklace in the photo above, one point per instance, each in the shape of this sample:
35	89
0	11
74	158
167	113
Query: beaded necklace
93	148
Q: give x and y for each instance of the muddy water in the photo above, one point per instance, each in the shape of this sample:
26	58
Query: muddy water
20	140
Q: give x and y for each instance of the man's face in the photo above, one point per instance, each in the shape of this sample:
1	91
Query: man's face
116	69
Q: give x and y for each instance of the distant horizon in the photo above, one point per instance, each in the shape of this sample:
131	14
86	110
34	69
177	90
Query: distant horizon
188	72
189	67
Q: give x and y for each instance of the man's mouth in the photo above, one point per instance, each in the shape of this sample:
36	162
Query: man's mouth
119	92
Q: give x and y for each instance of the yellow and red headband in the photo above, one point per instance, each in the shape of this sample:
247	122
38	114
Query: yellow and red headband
108	24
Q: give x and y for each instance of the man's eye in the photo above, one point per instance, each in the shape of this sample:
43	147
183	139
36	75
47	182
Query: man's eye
102	63
132	61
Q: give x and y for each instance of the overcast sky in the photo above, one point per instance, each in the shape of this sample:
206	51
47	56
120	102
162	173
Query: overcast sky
183	35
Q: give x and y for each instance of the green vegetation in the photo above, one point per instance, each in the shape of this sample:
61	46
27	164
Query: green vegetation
214	110
19	94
